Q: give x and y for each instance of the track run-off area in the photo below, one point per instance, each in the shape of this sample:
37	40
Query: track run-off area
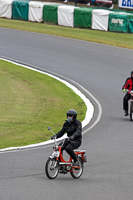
101	70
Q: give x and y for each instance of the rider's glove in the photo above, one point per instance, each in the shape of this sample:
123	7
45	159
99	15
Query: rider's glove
71	138
124	90
53	137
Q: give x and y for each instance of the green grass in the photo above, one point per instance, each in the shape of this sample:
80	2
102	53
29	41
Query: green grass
29	103
115	39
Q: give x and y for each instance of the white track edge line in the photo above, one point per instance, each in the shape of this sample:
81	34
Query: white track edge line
89	112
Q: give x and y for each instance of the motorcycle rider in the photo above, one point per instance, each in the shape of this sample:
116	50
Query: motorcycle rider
128	85
73	128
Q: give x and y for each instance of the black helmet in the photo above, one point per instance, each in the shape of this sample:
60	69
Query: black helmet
71	113
132	74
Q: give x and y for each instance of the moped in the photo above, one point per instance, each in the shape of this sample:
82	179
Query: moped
56	163
131	105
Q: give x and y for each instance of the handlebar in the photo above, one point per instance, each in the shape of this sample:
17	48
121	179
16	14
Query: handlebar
49	128
131	92
55	140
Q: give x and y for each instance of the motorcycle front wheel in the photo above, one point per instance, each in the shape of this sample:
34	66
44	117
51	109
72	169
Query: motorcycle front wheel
77	172
51	168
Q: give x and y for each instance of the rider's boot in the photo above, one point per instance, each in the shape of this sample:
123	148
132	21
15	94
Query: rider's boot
126	112
76	163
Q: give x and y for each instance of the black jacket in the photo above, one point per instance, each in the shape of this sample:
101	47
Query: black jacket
74	128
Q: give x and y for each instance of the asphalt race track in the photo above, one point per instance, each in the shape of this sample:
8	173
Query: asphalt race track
100	69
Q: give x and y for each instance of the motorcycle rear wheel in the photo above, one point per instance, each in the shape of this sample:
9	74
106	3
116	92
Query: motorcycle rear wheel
76	173
131	111
51	168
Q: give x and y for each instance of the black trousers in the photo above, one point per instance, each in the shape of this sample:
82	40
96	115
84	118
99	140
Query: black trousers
126	98
69	146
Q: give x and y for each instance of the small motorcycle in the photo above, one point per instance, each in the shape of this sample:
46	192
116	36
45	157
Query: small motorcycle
131	105
56	163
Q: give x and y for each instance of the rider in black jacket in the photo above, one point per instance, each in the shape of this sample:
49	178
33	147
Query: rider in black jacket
73	128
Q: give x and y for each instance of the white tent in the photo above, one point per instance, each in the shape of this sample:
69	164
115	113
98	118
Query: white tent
66	15
6	8
36	10
100	19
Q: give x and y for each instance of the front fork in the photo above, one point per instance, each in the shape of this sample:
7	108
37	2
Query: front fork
54	163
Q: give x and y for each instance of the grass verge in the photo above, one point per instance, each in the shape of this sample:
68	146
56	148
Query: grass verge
109	38
29	103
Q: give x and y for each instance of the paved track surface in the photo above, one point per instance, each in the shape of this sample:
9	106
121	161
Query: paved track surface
102	70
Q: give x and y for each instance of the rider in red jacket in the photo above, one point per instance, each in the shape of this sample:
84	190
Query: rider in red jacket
128	85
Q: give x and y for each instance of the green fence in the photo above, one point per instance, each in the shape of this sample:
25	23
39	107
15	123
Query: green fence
118	22
50	14
20	10
83	17
131	25
121	22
